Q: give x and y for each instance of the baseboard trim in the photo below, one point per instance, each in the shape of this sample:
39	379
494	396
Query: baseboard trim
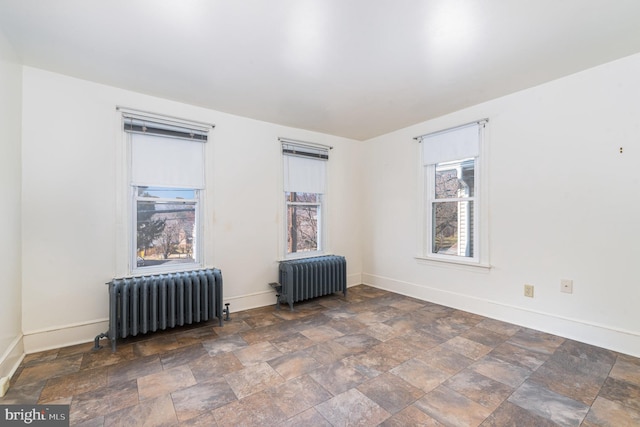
268	297
354	279
63	336
10	361
249	301
623	341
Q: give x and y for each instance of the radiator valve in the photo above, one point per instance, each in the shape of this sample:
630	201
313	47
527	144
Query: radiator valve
225	310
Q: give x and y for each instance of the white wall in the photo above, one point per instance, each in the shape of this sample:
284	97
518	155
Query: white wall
10	175
563	205
72	213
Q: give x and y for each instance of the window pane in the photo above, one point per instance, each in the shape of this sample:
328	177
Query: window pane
167	193
302	231
303	197
455	179
453	228
165	232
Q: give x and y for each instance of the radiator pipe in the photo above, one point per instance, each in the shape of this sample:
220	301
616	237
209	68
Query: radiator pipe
96	341
278	288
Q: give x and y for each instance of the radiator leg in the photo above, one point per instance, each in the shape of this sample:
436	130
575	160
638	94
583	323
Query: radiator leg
96	341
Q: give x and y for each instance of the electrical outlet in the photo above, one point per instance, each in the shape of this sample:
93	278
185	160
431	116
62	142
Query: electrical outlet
528	291
566	286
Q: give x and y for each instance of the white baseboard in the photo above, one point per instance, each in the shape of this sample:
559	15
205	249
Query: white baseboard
4	385
605	336
268	297
354	279
63	336
249	301
10	361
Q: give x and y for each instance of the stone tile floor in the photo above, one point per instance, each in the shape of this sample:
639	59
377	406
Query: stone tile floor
376	358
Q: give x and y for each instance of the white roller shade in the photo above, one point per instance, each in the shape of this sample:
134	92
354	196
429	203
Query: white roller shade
305	168
452	144
304	175
166	162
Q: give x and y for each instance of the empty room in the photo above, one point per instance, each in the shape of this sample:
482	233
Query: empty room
319	212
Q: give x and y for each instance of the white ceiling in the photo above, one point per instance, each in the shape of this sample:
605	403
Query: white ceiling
354	68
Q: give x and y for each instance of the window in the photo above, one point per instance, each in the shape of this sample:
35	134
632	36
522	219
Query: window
452	209
454	226
304	210
304	192
167	181
166	221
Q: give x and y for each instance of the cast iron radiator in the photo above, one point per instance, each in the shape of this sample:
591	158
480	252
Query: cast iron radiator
138	305
302	279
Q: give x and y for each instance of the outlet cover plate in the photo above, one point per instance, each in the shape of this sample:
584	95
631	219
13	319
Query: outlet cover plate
566	286
528	291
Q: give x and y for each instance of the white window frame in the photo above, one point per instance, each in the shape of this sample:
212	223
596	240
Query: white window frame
480	199
126	262
320	226
197	237
321	204
431	201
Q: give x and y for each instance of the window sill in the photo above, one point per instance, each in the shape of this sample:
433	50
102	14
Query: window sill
309	255
165	269
462	265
